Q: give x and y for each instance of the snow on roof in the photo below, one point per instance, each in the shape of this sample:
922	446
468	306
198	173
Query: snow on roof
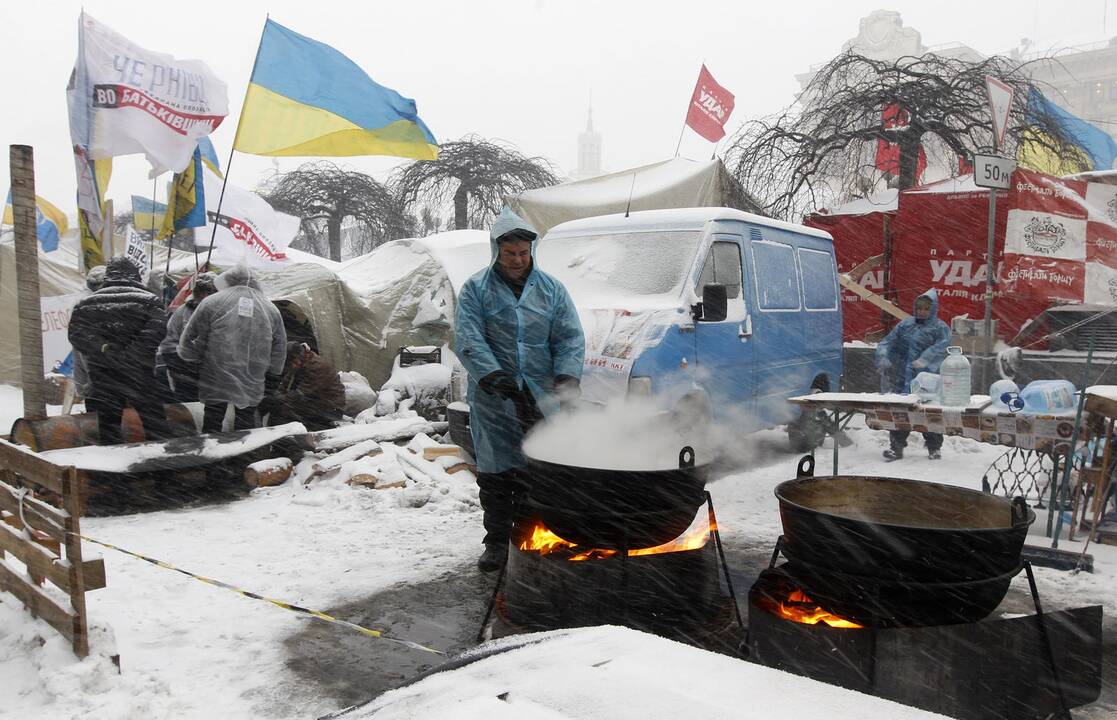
460	252
675	219
883	201
301	256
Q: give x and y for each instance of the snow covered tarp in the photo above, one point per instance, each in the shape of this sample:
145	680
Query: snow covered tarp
617	673
674	183
406	291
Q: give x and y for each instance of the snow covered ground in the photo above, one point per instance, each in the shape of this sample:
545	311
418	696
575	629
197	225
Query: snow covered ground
190	650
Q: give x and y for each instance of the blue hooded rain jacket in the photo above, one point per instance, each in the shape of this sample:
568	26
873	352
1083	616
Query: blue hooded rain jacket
910	341
535	338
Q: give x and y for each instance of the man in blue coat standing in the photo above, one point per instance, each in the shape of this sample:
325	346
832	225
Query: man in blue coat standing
518	336
917	344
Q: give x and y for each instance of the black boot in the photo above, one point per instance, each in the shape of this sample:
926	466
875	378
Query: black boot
893	454
493	558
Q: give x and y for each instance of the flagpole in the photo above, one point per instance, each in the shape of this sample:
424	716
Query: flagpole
682	130
229	162
151	243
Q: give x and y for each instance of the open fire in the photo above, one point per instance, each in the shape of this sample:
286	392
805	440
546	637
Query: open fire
543	541
798	607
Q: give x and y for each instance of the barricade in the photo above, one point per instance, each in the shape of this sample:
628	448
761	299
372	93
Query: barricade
39	525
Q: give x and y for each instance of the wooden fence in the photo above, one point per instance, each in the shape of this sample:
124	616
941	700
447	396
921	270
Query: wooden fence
42	532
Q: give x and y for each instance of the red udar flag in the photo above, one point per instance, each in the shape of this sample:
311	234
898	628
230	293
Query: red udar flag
710	106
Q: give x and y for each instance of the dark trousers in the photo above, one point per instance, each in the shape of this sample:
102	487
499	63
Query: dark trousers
214	415
110	412
898	439
500	494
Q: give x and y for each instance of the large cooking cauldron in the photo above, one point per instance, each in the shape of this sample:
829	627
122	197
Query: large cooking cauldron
903	530
616	509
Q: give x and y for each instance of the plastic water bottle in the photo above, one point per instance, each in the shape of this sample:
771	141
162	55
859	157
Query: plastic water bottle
955	372
1044	396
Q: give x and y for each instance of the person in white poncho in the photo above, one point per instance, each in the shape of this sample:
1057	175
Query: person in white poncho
237	335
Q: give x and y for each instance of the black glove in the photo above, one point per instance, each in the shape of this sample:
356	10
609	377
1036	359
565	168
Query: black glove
271	383
501	383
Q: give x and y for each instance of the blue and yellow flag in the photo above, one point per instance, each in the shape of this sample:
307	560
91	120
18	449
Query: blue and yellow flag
50	222
305	98
146	213
1097	148
186	200
209	156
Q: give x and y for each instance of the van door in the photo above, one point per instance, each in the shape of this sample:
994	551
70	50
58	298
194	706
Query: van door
777	326
725	351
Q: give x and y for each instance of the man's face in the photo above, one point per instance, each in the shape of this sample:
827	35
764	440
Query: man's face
514	258
922	310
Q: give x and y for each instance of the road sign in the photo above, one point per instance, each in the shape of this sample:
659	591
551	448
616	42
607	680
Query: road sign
990	171
1000	103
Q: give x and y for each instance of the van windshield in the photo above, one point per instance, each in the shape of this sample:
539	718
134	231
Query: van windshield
594	267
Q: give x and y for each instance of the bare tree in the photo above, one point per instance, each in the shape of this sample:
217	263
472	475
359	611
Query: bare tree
823	148
322	195
475	175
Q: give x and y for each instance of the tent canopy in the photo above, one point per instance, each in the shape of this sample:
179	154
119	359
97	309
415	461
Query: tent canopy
674	183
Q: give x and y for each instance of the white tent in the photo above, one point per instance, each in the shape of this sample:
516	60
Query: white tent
406	293
675	183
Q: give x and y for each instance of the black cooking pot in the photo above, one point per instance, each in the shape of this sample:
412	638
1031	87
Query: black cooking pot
616	509
904	530
883	602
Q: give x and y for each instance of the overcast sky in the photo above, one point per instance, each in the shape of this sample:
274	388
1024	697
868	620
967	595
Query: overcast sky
519	70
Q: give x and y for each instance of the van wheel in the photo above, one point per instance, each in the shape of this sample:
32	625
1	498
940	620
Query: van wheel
808	431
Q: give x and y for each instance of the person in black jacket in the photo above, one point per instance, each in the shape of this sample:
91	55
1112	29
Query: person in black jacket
117	329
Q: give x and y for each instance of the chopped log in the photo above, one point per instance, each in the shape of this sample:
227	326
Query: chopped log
461	466
872	297
370	481
435	451
268	473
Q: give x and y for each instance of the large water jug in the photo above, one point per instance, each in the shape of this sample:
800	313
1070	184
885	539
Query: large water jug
955	372
1045	396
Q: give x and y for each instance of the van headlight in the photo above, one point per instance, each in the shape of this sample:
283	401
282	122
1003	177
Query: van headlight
639	386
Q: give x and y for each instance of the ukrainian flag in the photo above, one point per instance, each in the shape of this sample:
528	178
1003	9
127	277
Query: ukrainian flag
50	222
1096	149
305	98
147	214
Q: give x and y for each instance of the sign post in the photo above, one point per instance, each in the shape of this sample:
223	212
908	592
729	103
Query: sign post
995	173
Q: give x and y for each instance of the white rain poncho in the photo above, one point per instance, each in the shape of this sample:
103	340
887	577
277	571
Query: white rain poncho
237	335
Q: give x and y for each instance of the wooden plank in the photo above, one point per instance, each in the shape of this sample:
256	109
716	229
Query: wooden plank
1099	405
71	503
37	602
42	563
31	467
36	536
38	514
871	297
436	451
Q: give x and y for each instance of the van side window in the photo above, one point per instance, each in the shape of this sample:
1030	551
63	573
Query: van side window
819	281
723	266
777	283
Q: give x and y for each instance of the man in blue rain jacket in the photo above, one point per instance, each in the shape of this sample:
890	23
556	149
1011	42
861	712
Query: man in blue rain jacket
917	344
518	336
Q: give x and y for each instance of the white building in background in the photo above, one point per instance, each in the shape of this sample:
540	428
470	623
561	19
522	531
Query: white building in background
589	151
